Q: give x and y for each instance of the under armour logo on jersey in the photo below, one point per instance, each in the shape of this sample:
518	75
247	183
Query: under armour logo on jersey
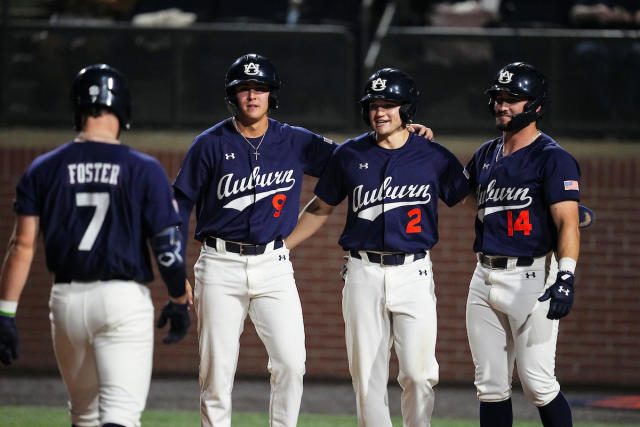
561	289
282	257
422	272
530	275
94	91
251	69
505	77
230	156
485	166
364	166
379	84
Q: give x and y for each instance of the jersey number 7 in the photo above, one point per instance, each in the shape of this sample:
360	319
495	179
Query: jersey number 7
101	202
522	223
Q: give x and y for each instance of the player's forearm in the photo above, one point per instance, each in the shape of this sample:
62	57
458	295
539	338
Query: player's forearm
17	262
313	216
308	224
15	270
568	242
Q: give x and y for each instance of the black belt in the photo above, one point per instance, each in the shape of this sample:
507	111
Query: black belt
388	259
501	262
243	248
68	278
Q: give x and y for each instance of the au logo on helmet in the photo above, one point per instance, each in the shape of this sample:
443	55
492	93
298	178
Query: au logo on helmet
379	84
251	69
505	77
94	91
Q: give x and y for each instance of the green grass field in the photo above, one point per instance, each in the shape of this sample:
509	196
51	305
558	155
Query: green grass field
35	416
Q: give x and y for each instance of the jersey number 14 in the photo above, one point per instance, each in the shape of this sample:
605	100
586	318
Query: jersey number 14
521	224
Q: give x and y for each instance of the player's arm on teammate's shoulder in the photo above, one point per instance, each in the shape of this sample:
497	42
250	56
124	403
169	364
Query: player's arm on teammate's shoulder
17	263
565	218
312	217
421	130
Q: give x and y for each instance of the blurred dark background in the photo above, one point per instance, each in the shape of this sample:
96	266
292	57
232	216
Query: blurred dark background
175	54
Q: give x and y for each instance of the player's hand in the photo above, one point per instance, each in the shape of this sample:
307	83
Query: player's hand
8	339
420	130
343	270
561	294
178	315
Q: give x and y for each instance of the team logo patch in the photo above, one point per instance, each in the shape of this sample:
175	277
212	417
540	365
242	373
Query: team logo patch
363	166
229	156
571	185
251	69
505	77
379	84
327	140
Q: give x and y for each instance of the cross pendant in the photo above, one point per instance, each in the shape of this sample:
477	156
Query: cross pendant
256	154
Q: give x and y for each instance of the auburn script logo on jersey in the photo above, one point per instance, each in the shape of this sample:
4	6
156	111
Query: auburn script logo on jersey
369	204
516	198
230	186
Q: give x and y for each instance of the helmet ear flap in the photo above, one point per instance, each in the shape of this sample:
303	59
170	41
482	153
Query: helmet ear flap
273	100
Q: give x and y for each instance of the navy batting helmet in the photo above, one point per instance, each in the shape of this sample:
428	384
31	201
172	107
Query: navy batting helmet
103	86
523	80
251	68
392	85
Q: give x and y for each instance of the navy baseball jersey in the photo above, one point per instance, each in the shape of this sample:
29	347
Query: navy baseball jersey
243	198
98	205
514	195
393	194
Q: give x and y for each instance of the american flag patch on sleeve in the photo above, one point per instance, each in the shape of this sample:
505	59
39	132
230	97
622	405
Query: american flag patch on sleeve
571	185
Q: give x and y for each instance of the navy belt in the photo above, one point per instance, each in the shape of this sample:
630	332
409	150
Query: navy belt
68	278
243	248
501	262
388	259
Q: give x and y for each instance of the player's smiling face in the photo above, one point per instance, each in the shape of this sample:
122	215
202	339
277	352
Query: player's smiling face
253	100
385	116
505	106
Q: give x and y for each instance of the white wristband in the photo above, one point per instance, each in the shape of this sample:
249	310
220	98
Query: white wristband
8	308
567	264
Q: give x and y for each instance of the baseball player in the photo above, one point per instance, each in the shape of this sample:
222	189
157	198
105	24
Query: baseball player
97	203
392	180
245	175
527	192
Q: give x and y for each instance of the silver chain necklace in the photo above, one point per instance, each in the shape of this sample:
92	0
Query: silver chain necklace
255	147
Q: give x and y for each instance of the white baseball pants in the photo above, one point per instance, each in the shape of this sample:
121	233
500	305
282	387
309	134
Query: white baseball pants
227	287
507	323
103	340
385	306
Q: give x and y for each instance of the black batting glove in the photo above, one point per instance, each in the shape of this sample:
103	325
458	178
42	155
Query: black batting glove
561	294
8	339
178	315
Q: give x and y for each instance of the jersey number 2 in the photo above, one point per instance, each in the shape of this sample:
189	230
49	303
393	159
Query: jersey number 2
413	226
101	203
522	223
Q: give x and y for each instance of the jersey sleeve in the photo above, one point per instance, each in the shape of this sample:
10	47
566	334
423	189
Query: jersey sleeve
160	208
26	202
454	181
195	170
331	186
317	151
561	177
470	169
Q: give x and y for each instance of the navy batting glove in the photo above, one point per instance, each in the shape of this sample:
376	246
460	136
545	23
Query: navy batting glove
561	294
178	315
8	339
